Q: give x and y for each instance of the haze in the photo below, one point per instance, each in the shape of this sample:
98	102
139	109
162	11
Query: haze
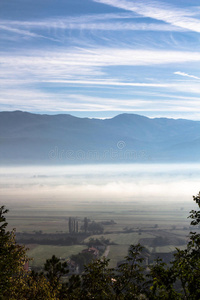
138	183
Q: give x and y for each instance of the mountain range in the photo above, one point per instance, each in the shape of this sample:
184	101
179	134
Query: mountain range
27	138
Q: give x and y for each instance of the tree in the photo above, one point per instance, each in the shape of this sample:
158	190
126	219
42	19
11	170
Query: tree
187	262
82	259
130	274
76	226
12	259
73	225
15	282
95	228
70	225
180	280
85	224
55	270
97	281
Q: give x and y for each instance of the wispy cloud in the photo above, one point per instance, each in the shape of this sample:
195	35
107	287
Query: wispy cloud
97	22
57	29
109	82
90	67
175	86
66	21
156	10
24	32
186	75
19	31
37	72
32	100
61	60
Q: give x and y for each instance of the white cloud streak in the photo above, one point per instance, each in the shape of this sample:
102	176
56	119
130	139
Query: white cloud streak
19	31
109	82
186	75
156	10
33	100
24	32
90	67
62	24
65	22
56	28
85	69
60	61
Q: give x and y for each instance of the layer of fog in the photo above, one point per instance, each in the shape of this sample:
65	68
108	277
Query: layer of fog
136	182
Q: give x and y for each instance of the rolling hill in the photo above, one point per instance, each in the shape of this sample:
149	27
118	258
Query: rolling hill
27	138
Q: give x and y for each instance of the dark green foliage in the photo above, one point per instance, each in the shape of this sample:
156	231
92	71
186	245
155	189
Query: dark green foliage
55	270
162	282
195	215
180	280
95	228
73	225
49	238
97	281
92	227
15	282
129	279
12	257
85	224
82	259
70	225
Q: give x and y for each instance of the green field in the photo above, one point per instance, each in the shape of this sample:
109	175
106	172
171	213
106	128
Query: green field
39	253
133	222
124	238
116	254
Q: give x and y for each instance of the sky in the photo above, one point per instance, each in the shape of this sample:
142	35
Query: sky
100	58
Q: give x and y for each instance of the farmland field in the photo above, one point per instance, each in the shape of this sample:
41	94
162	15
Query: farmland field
143	222
40	253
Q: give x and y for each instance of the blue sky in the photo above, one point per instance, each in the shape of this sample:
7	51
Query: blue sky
99	58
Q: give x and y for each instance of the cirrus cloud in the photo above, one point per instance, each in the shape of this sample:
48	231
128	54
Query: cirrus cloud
157	10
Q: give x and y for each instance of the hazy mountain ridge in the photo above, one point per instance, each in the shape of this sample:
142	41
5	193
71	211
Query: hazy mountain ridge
33	138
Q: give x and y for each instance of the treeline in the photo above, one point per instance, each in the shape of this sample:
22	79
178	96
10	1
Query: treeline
49	239
88	226
132	279
73	225
75	236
